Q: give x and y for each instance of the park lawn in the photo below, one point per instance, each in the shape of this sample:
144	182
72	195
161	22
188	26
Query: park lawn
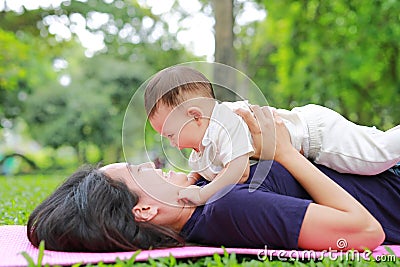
19	195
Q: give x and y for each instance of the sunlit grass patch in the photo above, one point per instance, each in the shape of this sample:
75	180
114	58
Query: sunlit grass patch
19	195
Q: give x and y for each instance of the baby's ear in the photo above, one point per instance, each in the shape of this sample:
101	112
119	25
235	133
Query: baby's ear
195	112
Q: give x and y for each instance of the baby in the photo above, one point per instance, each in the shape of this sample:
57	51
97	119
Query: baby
181	106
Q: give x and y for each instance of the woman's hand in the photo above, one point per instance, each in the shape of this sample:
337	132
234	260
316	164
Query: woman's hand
271	139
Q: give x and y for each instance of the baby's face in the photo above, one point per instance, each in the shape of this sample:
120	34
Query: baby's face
176	125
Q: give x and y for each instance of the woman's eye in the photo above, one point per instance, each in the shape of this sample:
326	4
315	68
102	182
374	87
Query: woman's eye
170	135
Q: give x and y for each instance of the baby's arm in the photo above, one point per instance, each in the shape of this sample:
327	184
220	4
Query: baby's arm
234	172
246	173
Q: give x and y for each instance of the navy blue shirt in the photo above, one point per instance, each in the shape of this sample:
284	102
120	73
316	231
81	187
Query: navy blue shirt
269	209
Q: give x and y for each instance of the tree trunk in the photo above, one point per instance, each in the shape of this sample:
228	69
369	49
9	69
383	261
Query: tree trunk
224	51
223	12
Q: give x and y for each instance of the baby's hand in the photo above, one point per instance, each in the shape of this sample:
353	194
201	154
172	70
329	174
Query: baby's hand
191	195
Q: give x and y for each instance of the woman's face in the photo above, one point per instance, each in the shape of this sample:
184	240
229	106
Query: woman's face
148	182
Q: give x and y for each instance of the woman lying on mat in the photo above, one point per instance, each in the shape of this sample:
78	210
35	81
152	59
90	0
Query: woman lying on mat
295	206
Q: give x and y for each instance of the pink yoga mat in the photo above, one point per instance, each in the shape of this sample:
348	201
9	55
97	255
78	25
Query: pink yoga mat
13	241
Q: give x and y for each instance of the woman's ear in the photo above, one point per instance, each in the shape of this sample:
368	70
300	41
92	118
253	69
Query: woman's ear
195	113
144	213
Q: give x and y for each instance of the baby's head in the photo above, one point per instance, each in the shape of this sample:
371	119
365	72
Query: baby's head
173	86
169	106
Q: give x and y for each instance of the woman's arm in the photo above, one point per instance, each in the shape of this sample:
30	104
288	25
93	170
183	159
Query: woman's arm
336	218
193	177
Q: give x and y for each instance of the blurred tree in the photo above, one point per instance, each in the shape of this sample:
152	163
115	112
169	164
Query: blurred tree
26	21
84	103
90	109
342	54
114	24
223	13
24	64
224	51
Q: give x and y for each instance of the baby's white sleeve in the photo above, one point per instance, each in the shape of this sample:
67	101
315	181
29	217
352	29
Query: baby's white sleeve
233	138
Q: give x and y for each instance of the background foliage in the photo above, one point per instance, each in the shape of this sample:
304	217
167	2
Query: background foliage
342	54
62	105
71	101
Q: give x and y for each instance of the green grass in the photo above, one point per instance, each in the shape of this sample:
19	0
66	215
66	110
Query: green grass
19	195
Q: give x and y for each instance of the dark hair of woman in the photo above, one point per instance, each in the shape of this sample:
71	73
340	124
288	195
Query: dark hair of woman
92	212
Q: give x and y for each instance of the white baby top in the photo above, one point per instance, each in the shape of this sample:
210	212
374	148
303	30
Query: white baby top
227	137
